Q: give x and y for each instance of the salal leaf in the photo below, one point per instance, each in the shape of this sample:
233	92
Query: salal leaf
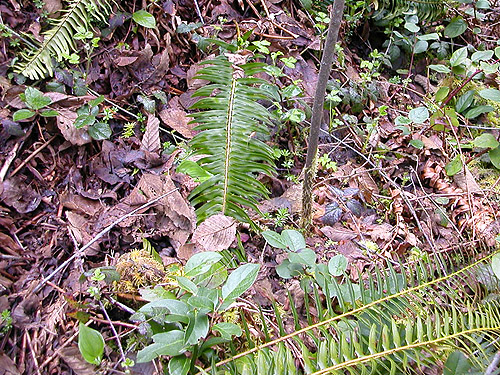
238	283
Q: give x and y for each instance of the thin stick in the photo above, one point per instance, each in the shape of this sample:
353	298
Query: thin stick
28	339
493	365
35	153
111	325
78	252
8	161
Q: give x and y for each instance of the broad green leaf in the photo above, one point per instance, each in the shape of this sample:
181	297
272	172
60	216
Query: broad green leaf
495	265
457	363
197	328
34	98
465	101
337	265
419	115
440	68
306	257
145	19
490	94
187	285
458	57
200	263
431	36
293	239
22	114
486	140
49	113
179	365
274	239
173	306
84	120
454	166
227	330
456	27
479	110
166	343
91	344
411	27
402	120
203	304
489	68
483	4
481	56
442	93
420	46
99	131
287	270
497	52
495	157
238	283
417	143
214	277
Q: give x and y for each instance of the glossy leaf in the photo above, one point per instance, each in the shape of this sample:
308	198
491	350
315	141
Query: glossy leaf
200	263
337	265
293	239
90	344
145	19
454	166
227	330
274	239
456	27
238	283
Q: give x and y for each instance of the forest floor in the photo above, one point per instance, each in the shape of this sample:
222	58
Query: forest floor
382	194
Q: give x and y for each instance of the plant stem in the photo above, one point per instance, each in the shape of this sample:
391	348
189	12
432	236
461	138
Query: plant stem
317	111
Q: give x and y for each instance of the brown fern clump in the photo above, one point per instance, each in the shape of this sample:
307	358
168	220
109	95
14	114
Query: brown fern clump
468	213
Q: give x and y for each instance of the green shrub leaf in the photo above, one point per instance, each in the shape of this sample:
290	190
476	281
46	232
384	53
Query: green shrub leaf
307	257
100	131
35	98
481	55
457	363
274	239
454	166
419	115
456	27
227	330
293	239
486	140
179	365
145	19
337	265
238	282
201	263
458	57
465	101
440	68
22	114
91	344
490	94
495	157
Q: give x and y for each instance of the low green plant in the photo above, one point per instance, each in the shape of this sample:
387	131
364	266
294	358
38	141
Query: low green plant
186	319
37	103
88	116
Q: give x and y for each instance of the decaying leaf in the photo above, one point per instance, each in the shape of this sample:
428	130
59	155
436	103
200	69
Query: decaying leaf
65	122
216	233
175	118
151	138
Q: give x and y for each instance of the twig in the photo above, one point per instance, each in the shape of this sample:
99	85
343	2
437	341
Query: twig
78	252
111	325
8	161
35	153
198	11
26	333
493	365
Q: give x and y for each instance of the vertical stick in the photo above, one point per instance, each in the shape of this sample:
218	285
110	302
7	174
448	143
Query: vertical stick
317	111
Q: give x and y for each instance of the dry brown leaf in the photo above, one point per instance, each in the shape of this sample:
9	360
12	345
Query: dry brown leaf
7	366
467	182
366	184
338	234
151	138
65	122
75	361
79	227
216	233
176	118
176	217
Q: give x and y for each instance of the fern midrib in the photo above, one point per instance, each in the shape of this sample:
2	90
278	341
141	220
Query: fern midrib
61	22
355	311
385	353
230	115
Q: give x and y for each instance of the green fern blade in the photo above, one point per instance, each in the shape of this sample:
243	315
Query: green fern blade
226	124
59	39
